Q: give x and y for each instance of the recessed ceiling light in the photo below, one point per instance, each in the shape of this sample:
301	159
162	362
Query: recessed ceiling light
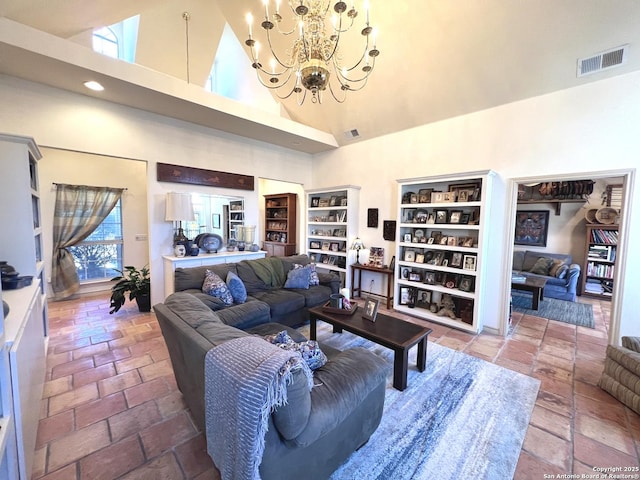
94	86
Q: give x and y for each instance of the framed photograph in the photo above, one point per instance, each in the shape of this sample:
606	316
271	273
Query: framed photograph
424	195
448	197
315	202
370	308
431	218
441	216
389	230
532	227
468	242
466	284
326	245
215	220
333	200
463	196
464	218
443	239
332	260
413	198
452	241
335	246
420	258
424	299
469	262
376	257
415	277
409	256
408	214
407	238
314	244
471	188
323	202
430	278
405	295
372	218
436	197
343	201
438	258
454	216
405	274
456	260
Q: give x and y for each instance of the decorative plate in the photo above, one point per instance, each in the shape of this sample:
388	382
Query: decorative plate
210	242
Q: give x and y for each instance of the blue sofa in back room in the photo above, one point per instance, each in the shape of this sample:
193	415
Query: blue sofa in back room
562	275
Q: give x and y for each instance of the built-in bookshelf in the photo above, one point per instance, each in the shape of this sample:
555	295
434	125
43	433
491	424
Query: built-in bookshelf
600	260
280	232
441	244
332	225
236	217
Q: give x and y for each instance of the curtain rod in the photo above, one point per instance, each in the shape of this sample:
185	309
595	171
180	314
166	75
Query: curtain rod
91	186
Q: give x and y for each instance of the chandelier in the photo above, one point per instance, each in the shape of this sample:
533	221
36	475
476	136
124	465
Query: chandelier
314	61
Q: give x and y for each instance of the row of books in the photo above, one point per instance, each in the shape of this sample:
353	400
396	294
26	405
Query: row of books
602	252
604	236
600	270
598	287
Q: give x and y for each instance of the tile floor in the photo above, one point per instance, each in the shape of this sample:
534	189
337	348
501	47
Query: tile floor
111	408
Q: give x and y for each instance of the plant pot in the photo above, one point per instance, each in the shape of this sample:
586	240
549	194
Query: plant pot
144	303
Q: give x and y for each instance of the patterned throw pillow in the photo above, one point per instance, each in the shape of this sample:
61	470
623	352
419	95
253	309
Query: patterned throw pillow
309	350
555	266
542	266
313	276
236	287
298	278
213	285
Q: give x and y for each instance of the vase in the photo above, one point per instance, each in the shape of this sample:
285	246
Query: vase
179	250
144	302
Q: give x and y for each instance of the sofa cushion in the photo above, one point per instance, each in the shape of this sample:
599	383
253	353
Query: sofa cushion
191	310
251	281
236	287
298	278
193	277
542	266
518	260
555	266
215	286
219	333
291	419
531	257
245	315
316	295
281	302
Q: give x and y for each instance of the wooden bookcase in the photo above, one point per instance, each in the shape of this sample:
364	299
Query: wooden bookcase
332	225
599	260
280	233
441	241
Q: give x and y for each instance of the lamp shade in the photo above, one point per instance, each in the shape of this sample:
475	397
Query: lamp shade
357	244
179	208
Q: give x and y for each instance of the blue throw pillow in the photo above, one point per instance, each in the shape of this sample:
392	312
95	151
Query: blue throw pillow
215	286
236	287
298	278
314	279
309	350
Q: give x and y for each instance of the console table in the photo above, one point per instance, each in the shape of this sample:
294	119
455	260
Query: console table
357	291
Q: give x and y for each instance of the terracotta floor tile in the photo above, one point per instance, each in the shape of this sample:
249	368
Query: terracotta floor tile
57	386
606	432
111	356
193	456
146	391
93	374
542	444
132	363
556	403
165	467
595	454
156	370
100	409
66	473
90	350
554	373
54	359
171	404
71	345
530	467
119	382
552	422
453	343
69	368
112	462
134	420
609	410
39	462
167	434
54	427
78	444
513	365
556	351
106	336
73	398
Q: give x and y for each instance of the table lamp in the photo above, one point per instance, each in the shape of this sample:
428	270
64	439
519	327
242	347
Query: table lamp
179	209
357	245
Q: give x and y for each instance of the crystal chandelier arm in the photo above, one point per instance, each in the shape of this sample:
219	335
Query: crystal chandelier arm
273	84
333	94
341	76
283	64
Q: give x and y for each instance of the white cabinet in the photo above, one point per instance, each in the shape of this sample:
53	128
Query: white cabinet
332	226
442	247
171	263
236	217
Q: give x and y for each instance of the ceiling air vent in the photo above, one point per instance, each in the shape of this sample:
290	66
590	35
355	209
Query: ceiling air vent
352	133
602	61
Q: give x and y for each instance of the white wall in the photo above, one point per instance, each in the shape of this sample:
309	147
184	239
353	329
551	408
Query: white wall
64	120
76	168
592	128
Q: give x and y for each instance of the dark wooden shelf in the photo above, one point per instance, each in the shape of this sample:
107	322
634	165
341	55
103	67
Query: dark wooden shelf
558	203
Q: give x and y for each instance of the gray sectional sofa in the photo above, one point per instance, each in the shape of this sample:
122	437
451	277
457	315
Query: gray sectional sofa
561	283
317	430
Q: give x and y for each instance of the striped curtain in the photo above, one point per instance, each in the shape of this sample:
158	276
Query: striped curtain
78	212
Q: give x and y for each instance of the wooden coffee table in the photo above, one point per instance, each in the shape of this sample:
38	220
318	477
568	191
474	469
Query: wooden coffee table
534	285
387	331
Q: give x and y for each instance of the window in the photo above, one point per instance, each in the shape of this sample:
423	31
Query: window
118	40
105	42
98	256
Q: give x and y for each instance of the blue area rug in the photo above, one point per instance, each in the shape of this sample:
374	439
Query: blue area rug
575	313
460	418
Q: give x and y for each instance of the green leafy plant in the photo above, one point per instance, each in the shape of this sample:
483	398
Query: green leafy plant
136	282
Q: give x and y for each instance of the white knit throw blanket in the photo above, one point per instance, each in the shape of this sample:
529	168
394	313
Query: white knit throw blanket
245	380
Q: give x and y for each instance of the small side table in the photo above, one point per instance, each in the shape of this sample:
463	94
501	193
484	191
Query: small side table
357	291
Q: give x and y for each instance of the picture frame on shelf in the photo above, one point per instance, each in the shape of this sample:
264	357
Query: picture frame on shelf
431	219
405	295
454	216
315	202
468	242
313	258
405	273
326	246
430	240
456	260
408	214
409	256
424	299
370	309
334	247
420	258
415	277
532	227
315	245
441	216
343	201
438	258
332	260
424	195
469	262
323	202
407	238
470	188
333	200
436	197
413	198
466	284
444	239
463	196
376	257
430	278
452	241
464	218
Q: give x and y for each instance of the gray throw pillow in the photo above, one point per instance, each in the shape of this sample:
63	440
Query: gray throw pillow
298	278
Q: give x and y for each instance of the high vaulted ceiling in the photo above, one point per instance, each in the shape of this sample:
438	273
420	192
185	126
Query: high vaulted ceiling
439	58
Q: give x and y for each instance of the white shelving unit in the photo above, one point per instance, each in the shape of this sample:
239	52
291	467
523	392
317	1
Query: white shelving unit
236	217
332	225
23	333
441	245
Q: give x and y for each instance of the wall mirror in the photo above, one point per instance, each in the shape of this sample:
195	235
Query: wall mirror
217	214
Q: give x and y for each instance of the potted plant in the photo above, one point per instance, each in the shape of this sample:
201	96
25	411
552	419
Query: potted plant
137	283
